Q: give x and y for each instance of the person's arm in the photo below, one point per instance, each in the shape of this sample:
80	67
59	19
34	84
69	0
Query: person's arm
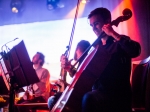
132	48
65	64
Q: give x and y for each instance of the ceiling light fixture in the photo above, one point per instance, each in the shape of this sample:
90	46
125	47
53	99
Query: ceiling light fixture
85	1
53	4
16	6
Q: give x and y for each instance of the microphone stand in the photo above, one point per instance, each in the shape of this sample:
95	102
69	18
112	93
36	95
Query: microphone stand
12	95
7	46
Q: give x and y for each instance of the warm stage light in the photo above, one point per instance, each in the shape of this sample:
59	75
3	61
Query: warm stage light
14	10
16	6
85	1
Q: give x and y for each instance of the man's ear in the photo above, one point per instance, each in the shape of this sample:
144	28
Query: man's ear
107	21
40	61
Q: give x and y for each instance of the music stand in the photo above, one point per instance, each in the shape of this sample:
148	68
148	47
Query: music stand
20	70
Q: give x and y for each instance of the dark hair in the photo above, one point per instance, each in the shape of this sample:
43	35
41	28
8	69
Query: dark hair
83	45
104	13
41	57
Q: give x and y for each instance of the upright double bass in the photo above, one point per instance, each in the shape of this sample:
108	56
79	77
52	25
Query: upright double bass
87	73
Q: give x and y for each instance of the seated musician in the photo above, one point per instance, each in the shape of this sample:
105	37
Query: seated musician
41	89
111	92
111	65
81	47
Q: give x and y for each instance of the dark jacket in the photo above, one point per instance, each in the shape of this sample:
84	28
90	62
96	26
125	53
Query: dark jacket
114	80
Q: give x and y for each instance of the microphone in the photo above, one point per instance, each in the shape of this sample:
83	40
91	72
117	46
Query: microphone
7	43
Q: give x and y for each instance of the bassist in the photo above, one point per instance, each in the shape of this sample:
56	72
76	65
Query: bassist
111	92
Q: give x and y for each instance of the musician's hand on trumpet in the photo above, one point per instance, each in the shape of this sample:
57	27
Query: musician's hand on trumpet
66	64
